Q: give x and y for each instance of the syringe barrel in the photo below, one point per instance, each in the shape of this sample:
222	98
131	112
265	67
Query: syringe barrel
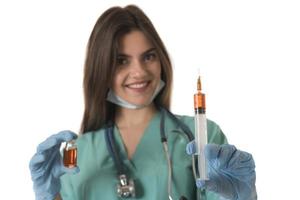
200	142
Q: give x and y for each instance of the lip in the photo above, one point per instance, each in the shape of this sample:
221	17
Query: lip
139	87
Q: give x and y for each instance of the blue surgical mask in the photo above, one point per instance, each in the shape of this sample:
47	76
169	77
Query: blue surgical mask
114	98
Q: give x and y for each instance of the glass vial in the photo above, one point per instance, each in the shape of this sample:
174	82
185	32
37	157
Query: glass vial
70	154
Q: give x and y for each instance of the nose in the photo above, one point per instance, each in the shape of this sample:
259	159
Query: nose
138	69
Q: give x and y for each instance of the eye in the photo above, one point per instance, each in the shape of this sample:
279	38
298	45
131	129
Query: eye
149	57
122	61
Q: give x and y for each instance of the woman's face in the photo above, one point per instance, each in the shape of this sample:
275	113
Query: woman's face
138	69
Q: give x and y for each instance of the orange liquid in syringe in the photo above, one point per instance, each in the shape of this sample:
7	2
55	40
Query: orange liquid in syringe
70	158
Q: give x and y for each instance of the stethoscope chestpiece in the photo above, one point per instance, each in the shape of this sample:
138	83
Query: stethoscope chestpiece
125	188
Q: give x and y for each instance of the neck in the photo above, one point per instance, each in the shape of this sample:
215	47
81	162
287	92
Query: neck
134	117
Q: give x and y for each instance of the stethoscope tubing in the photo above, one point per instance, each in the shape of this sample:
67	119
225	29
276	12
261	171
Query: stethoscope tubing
111	144
183	126
112	147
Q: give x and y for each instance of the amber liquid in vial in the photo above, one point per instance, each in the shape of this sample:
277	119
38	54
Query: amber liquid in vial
70	156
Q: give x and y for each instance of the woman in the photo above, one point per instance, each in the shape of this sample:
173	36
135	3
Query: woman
127	89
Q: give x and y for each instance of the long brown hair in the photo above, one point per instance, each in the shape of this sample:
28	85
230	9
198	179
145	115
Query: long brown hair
101	59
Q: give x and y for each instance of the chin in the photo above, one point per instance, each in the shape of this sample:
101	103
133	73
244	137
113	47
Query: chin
141	102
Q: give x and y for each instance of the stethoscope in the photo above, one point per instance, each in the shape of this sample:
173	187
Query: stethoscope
126	186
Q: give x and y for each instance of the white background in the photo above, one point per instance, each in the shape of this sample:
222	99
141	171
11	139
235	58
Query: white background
247	51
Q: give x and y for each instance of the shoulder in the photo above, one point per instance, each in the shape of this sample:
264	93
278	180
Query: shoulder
215	134
189	120
91	138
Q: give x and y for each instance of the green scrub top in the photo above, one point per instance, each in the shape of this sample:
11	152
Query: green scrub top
148	166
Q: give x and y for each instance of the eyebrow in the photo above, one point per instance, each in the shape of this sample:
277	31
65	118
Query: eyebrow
144	53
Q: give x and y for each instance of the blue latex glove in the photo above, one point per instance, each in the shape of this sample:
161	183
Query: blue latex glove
231	172
46	166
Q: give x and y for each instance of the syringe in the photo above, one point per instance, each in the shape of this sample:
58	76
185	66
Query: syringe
200	130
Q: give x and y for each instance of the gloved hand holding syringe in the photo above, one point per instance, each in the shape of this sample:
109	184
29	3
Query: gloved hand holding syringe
222	169
200	131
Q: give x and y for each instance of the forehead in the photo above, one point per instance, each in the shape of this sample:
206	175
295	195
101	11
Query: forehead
134	42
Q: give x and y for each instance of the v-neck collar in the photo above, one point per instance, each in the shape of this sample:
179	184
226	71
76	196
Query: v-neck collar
152	126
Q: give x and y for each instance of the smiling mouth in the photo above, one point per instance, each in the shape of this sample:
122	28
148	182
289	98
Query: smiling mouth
139	85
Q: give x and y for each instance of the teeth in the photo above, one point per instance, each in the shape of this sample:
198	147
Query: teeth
139	85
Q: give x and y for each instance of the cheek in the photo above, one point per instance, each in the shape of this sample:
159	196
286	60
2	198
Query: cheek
116	82
157	71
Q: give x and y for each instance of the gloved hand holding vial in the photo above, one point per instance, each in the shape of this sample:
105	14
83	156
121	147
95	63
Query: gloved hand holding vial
47	164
